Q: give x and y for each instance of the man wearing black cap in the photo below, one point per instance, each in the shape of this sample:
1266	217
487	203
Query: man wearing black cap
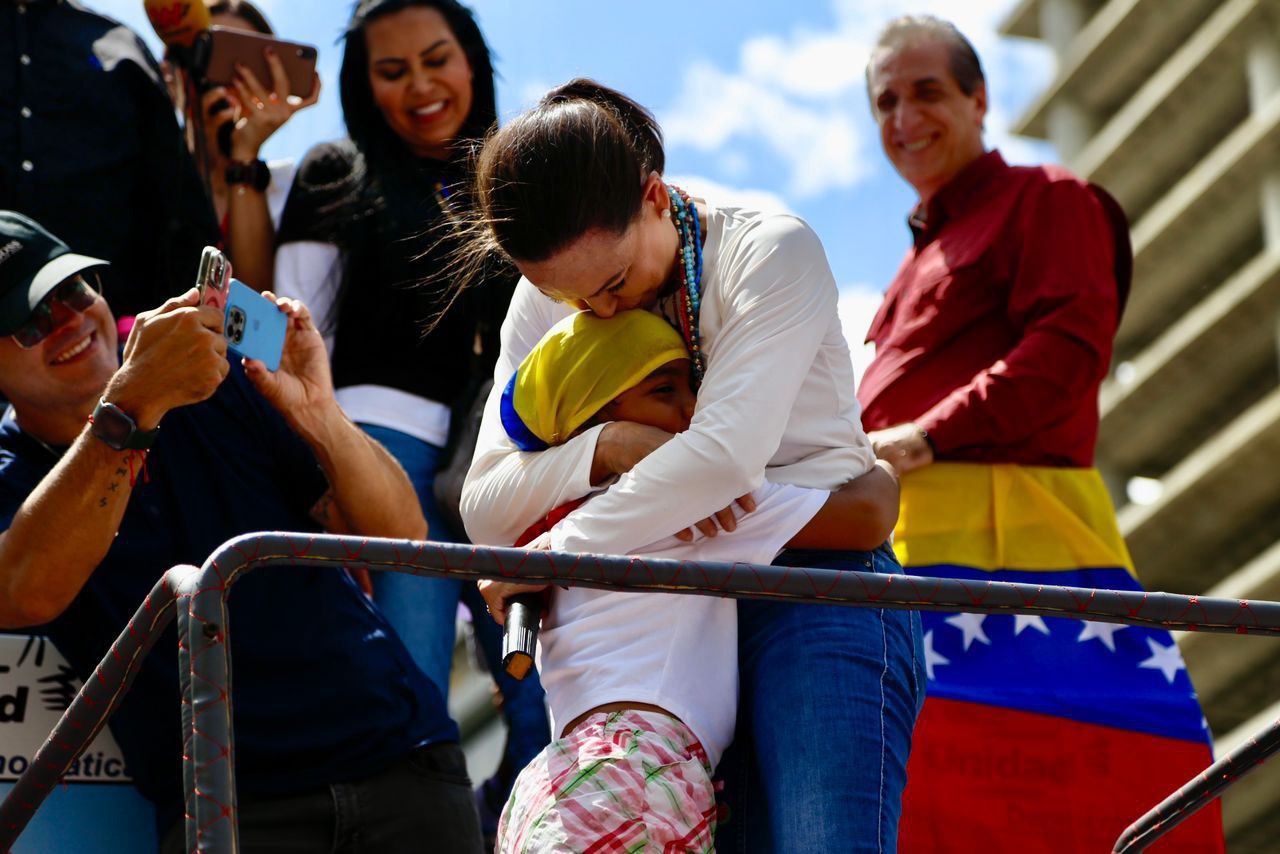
112	472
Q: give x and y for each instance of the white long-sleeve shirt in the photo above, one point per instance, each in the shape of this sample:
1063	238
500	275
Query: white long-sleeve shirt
777	401
675	651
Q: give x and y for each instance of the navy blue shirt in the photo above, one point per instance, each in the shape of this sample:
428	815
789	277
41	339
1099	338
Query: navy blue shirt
90	149
324	690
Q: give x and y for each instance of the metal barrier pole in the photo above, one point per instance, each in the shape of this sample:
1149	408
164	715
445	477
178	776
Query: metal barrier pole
214	808
204	660
93	704
1200	791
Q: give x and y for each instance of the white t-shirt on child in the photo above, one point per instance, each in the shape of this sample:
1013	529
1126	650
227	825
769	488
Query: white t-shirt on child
674	650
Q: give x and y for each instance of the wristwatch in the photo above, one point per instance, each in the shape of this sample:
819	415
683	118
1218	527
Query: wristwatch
255	173
118	430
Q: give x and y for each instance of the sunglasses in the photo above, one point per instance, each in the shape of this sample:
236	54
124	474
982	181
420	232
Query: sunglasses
76	293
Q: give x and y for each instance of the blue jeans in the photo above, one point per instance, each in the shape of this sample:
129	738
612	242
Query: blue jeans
423	611
829	697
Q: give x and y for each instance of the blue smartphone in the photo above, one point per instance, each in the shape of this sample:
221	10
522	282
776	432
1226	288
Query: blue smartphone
254	327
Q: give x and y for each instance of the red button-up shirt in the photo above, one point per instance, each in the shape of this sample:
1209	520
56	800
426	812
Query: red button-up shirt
996	332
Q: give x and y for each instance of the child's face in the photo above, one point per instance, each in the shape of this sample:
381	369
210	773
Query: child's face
664	399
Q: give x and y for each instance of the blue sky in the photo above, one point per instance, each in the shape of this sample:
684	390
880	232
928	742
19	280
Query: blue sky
762	101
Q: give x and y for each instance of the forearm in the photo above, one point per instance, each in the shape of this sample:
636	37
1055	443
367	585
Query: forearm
858	516
371	492
63	530
251	237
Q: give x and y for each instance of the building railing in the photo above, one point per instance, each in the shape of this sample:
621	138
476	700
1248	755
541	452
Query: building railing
198	598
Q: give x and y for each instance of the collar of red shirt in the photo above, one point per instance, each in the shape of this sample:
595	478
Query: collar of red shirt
955	197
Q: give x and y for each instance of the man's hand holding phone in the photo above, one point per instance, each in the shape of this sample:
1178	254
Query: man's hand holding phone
301	389
176	355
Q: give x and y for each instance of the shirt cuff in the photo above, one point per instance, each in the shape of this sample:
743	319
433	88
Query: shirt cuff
944	433
580	480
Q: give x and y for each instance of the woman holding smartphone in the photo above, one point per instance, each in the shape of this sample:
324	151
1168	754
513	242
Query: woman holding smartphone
364	242
248	194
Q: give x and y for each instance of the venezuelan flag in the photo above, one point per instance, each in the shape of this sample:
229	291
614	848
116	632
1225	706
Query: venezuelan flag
1040	734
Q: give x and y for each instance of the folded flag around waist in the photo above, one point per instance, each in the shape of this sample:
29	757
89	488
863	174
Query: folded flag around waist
1039	733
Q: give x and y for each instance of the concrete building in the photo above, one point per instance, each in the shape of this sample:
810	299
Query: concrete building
1174	106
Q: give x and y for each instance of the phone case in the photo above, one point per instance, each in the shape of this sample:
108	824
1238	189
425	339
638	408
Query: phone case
213	277
227	47
254	327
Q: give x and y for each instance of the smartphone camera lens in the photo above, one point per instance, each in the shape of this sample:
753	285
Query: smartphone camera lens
235	325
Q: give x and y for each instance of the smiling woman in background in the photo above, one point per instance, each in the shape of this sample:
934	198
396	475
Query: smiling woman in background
363	241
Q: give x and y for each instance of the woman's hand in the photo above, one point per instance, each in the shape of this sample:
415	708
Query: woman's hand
622	444
725	518
263	111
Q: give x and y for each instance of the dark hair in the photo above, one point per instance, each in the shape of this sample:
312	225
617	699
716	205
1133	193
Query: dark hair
250	13
365	124
966	68
575	162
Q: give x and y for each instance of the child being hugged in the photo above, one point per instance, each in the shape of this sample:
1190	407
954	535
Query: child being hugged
642	687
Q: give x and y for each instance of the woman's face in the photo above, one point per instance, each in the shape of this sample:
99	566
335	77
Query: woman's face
420	78
606	272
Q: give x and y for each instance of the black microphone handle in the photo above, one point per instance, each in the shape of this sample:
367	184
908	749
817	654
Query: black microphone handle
520	633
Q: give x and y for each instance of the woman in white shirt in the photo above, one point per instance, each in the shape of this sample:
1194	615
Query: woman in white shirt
572	193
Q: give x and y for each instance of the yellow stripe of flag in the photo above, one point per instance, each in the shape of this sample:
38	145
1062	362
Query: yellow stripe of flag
1008	517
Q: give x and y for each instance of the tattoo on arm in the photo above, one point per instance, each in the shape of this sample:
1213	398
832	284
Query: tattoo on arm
322	512
328	514
114	486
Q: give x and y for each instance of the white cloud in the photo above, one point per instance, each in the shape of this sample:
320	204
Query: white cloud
531	92
857	308
724	195
801	96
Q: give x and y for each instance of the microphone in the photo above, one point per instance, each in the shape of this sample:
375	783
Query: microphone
178	22
183	26
520	633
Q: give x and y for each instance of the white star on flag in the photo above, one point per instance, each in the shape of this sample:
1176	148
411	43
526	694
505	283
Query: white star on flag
930	657
1035	621
1102	631
971	625
1166	659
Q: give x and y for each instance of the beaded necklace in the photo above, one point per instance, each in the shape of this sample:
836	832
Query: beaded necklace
689	262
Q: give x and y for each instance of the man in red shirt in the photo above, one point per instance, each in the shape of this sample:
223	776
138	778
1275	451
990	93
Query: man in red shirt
1038	734
996	332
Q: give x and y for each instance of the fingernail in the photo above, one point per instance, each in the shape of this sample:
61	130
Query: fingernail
270	52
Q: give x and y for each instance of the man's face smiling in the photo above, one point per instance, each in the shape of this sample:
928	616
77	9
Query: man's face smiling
929	128
51	384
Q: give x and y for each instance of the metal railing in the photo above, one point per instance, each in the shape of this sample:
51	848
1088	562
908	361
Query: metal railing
198	597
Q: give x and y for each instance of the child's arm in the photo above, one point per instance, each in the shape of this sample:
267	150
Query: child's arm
859	516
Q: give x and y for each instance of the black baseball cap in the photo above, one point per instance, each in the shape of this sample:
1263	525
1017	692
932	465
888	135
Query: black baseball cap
32	263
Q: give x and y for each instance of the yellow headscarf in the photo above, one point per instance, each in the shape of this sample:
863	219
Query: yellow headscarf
581	364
